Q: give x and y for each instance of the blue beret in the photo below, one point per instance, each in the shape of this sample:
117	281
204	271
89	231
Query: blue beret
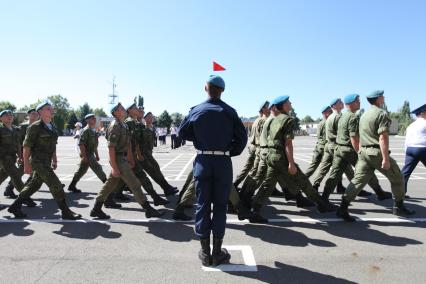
31	110
90	115
375	94
114	107
42	105
279	100
335	101
131	106
326	108
6	111
265	104
419	109
217	81
350	98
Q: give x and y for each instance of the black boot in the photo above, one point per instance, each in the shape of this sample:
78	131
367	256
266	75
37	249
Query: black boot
256	217
340	188
97	211
323	206
72	187
243	212
277	193
400	209
204	254
179	214
158	200
29	202
110	203
150	211
343	212
170	190
67	214
8	191
120	196
381	194
15	208
219	254
315	187
231	208
288	195
364	193
303	202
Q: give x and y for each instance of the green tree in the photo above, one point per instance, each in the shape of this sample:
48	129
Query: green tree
164	120
296	125
139	101
82	111
7	105
72	121
176	118
100	112
308	119
404	118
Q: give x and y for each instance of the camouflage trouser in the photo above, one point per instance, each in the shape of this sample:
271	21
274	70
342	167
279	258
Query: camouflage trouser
8	168
345	156
316	160
43	172
248	165
278	171
152	168
325	165
129	178
187	194
369	160
93	165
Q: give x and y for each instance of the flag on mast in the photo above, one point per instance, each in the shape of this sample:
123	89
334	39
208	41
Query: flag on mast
218	67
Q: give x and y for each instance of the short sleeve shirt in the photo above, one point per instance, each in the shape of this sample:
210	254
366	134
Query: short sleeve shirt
372	123
348	127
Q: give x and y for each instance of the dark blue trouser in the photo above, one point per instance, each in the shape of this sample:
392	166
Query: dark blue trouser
413	155
213	180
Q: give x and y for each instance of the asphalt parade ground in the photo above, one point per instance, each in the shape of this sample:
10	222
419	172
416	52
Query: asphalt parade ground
297	246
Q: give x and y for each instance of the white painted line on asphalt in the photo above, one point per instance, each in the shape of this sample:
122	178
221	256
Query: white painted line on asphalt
171	162
248	258
229	221
185	167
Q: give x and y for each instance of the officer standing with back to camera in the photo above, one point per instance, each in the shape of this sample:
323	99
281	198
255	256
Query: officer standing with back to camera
218	134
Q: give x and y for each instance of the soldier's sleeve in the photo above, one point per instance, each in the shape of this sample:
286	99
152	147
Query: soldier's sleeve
31	135
83	137
185	130
353	126
239	140
113	135
288	128
384	123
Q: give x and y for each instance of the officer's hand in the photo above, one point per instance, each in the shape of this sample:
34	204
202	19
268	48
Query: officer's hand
54	165
292	169
28	169
85	160
385	165
97	158
115	172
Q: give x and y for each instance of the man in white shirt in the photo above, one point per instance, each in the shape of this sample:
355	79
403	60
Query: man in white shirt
173	136
415	143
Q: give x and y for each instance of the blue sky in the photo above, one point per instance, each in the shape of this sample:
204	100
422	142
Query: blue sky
311	50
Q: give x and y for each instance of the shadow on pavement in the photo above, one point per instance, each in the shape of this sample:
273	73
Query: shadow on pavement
174	232
282	272
15	229
87	231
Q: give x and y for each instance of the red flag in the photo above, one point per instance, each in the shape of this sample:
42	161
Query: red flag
217	67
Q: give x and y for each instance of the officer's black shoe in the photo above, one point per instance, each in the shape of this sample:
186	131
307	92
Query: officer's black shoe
67	214
384	195
400	209
256	217
8	192
204	254
243	212
158	200
72	187
287	195
340	188
219	254
119	196
170	191
29	202
303	202
324	206
277	193
98	213
179	214
110	203
343	212
15	209
150	211
364	193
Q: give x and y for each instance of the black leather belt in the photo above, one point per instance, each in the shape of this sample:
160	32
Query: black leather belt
347	145
371	146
